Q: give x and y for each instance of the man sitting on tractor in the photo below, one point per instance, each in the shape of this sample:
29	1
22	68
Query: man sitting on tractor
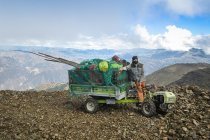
136	75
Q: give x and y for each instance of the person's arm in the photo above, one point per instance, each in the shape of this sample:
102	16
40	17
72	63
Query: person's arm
125	68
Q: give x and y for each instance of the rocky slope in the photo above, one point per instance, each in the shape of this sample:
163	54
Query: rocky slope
173	73
53	115
199	77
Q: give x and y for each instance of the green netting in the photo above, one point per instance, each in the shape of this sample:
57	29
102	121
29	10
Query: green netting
90	74
85	77
107	77
85	65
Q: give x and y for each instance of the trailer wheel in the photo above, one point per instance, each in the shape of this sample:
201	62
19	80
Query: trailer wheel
91	105
148	108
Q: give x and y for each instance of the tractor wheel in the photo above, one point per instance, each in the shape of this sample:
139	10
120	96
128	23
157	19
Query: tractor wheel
91	105
162	109
148	108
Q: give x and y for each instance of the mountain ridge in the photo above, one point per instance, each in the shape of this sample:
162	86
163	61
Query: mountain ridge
22	71
177	74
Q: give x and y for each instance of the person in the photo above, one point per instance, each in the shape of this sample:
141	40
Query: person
136	75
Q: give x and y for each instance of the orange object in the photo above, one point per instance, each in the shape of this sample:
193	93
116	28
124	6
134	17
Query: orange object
142	84
140	93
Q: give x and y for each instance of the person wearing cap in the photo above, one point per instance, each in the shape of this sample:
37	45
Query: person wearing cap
136	75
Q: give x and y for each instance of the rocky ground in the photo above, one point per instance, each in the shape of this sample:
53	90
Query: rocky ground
50	115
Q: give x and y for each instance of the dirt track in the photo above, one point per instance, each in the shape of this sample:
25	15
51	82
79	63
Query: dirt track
49	115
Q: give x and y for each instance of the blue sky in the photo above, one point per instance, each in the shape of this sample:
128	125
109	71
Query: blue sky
106	23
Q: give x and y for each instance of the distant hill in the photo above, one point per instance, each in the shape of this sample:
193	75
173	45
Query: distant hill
200	77
52	87
187	74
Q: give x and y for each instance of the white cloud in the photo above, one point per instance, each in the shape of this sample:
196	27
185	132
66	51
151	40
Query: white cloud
119	41
188	7
29	42
142	32
177	7
203	42
174	38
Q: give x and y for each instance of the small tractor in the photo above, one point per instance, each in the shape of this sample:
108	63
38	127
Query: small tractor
101	81
113	87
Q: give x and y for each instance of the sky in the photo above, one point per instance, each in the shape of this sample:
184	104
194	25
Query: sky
110	24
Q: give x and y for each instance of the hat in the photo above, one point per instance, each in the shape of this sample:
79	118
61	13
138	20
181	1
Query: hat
134	57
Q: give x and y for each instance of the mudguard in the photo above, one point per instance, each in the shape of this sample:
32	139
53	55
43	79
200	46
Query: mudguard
169	97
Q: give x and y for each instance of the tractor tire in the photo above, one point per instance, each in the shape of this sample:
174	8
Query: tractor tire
148	108
91	105
162	110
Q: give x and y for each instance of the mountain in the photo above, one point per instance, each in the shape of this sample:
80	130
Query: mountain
182	74
154	60
21	71
197	52
200	77
52	87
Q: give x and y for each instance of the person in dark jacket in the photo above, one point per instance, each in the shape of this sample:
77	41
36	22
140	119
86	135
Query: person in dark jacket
136	75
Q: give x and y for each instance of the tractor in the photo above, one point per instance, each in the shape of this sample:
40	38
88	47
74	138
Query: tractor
102	83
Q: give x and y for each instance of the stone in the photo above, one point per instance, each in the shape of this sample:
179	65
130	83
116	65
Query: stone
165	138
161	128
200	117
189	91
171	132
152	123
17	137
195	122
186	111
185	129
206	97
156	134
208	126
56	135
164	131
131	114
160	131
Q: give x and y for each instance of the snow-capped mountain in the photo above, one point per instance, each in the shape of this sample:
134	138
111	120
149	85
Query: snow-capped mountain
21	71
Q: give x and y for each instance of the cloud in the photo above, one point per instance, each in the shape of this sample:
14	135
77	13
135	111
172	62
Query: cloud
203	42
177	7
119	41
188	7
30	42
174	38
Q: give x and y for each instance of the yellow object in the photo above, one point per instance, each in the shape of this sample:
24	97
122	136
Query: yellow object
103	66
116	66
